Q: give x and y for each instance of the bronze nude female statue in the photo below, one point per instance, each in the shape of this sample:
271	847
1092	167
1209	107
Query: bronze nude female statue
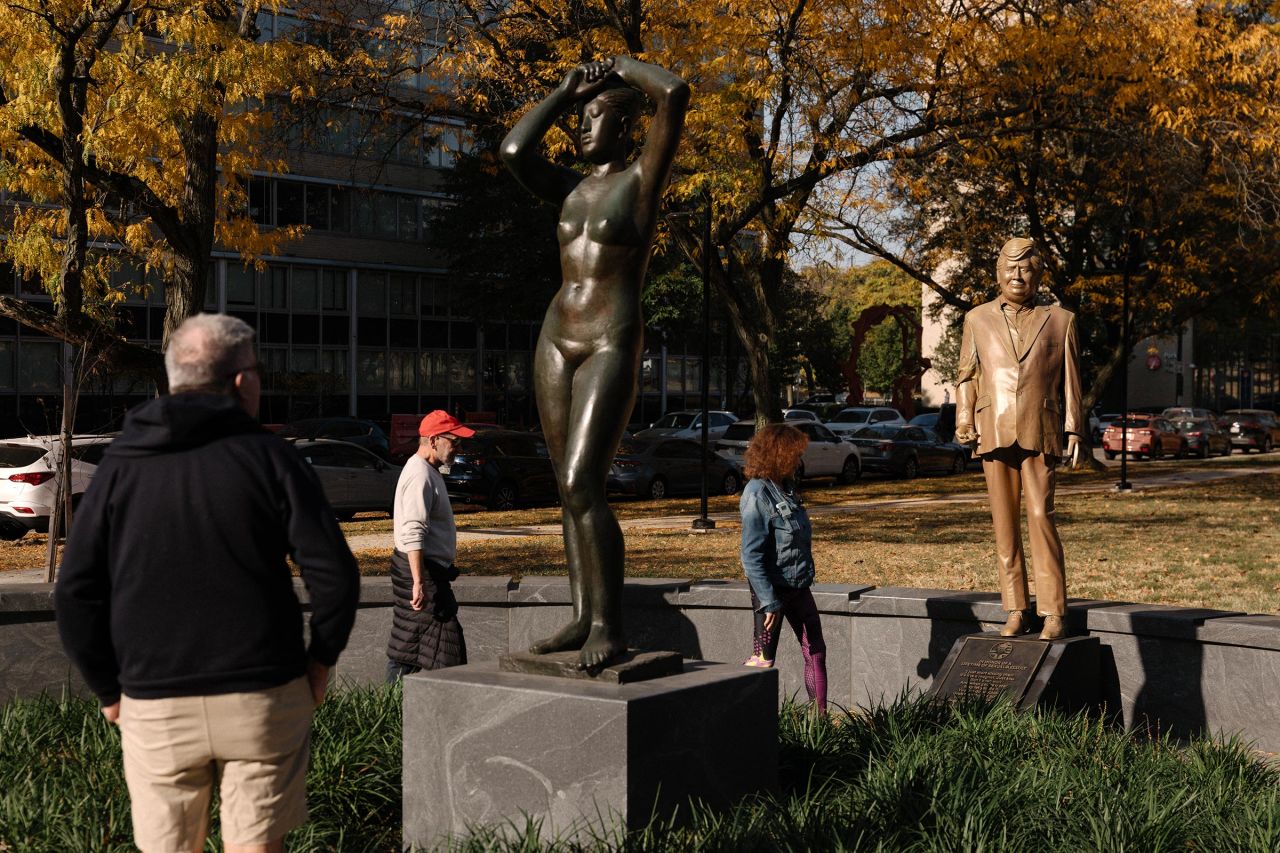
587	360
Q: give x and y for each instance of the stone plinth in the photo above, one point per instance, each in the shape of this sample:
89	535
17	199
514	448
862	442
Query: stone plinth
483	746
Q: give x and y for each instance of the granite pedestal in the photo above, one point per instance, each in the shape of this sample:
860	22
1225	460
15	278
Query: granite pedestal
585	759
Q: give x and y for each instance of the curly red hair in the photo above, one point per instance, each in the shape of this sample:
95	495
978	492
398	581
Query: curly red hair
774	453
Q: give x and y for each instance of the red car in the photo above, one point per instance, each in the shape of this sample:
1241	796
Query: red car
1148	435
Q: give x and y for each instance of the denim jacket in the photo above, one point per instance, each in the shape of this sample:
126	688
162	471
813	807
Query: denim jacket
776	542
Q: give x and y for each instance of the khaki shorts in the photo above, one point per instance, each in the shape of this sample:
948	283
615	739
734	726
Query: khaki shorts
175	749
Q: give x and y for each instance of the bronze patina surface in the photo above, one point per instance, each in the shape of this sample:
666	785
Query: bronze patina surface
587	360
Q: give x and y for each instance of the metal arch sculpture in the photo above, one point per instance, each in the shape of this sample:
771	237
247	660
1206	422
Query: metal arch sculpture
912	367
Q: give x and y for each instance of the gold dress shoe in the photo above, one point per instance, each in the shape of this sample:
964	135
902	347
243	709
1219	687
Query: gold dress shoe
1014	625
1053	628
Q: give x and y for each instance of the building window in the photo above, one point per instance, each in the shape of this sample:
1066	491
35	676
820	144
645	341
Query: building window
462	372
290	203
333	290
6	364
38	367
304	290
371	294
402	371
240	289
372	374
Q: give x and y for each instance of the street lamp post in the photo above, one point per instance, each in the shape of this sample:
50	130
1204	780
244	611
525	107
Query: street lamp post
702	523
1124	485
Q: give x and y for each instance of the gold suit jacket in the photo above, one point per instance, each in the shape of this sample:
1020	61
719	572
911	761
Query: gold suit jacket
1030	396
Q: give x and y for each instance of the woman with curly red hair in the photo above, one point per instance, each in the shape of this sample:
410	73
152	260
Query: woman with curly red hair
777	554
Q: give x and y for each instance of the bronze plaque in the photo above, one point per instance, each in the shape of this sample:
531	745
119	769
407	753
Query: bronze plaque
985	667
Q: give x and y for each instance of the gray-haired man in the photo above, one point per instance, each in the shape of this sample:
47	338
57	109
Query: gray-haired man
176	602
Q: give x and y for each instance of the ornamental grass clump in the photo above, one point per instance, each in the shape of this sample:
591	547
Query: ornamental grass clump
910	775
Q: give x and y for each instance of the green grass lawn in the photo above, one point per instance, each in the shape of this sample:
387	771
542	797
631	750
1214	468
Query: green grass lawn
909	777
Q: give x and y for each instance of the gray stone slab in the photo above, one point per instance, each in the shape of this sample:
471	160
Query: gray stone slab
494	748
487	630
717	633
364	661
26	597
627	668
645	592
717	593
1258	632
482	589
552	589
929	604
837	597
32	660
1240	693
1153	620
527	624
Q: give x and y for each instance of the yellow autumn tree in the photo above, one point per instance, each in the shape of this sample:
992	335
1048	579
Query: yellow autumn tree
924	132
1144	145
128	125
797	107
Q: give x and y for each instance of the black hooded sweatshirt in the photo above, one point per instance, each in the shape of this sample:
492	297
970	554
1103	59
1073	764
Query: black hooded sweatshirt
174	581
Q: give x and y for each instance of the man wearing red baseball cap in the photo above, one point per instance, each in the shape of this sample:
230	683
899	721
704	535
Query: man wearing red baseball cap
425	633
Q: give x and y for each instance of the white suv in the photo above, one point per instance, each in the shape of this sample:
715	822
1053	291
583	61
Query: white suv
857	417
29	479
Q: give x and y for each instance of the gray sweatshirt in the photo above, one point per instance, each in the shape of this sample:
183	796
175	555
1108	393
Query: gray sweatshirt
423	516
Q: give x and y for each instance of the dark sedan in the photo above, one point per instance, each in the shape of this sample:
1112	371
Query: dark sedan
501	468
1252	429
1204	437
354	480
657	467
907	451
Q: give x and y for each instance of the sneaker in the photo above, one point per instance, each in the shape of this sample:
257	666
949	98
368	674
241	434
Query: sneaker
758	662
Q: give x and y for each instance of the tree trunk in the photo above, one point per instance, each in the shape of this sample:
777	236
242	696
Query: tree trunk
197	214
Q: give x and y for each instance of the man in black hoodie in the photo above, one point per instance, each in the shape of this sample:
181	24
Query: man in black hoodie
176	602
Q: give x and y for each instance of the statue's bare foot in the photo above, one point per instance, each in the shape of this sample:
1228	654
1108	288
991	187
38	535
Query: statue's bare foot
602	646
568	638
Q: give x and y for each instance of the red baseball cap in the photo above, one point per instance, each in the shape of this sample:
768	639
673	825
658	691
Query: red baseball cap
441	422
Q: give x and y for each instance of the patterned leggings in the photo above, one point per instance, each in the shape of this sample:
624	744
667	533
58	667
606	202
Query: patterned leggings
801	612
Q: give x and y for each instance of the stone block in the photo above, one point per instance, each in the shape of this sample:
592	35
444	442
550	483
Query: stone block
900	637
1157	673
32	660
587	759
364	661
651	616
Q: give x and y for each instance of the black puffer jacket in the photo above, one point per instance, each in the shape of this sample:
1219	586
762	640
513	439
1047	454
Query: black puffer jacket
430	638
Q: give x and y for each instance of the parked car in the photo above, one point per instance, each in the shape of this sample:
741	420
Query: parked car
29	478
943	421
1252	429
827	454
855	417
1204	437
1188	413
908	450
799	414
655	467
1103	421
1148	435
688	424
363	433
501	468
354	479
